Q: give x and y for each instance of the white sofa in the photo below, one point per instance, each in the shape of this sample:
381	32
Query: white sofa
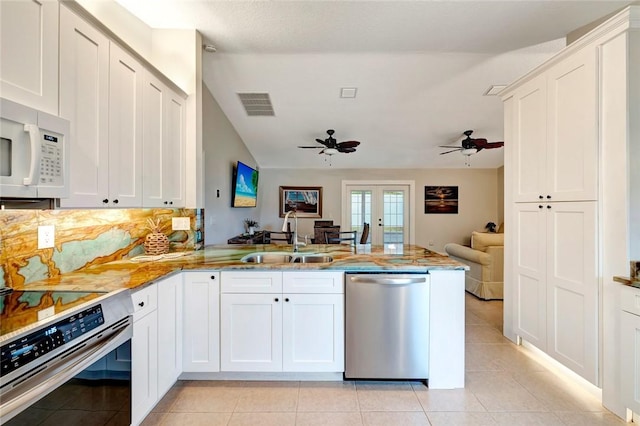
485	258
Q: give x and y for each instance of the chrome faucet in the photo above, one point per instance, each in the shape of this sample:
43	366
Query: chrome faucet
295	229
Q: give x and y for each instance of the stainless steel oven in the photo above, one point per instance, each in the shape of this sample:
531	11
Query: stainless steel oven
56	352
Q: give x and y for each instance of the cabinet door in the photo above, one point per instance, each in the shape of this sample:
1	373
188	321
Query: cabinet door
125	129
169	332
201	343
630	360
84	101
29	53
173	151
530	287
313	332
529	140
144	366
572	133
152	141
251	332
572	287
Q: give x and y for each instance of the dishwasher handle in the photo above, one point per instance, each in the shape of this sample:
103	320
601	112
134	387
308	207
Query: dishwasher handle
387	280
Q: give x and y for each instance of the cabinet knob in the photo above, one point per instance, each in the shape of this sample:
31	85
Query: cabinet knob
166	203
286	300
540	206
141	304
105	201
548	197
171	202
540	196
548	206
276	299
213	277
115	201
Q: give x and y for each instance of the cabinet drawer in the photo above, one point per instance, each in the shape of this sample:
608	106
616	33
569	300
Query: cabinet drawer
251	281
313	282
630	300
144	301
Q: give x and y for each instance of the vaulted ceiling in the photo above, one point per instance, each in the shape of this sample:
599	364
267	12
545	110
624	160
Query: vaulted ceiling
421	69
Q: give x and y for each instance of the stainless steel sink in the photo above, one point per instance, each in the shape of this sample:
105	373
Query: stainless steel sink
267	258
313	258
275	257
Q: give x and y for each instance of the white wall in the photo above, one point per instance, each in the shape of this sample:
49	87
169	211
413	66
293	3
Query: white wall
478	194
222	149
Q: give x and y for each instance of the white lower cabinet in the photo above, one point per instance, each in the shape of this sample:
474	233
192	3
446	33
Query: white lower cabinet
251	332
201	339
144	353
169	332
313	332
630	348
301	331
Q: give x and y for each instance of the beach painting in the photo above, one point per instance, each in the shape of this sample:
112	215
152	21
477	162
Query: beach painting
305	200
246	186
441	199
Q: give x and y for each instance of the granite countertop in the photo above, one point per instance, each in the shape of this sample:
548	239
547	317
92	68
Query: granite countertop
627	281
130	274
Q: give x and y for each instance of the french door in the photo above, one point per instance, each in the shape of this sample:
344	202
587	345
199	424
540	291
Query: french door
386	207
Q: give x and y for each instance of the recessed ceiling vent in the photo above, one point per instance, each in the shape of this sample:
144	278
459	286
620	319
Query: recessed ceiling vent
257	104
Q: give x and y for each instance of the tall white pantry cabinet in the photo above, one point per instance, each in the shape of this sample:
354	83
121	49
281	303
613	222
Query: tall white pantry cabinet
571	131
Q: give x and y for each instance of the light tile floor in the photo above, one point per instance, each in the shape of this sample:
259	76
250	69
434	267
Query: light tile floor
504	386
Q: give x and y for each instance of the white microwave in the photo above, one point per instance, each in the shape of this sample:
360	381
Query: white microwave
34	153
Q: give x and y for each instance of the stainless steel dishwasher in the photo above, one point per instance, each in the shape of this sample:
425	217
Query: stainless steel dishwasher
387	326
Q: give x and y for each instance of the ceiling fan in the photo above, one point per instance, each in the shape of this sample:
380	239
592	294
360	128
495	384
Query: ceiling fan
330	146
470	146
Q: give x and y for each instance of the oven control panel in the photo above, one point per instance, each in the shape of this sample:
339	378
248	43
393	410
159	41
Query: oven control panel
37	344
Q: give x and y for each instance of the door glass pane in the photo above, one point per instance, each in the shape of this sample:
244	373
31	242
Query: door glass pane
360	211
393	214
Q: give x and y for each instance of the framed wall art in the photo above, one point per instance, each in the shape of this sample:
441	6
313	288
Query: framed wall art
441	199
305	200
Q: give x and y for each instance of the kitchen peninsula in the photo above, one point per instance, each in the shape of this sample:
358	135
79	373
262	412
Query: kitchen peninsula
198	284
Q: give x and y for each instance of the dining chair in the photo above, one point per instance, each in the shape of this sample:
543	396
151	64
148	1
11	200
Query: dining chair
365	234
333	237
276	237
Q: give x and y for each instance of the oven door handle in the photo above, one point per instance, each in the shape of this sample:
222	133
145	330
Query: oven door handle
44	382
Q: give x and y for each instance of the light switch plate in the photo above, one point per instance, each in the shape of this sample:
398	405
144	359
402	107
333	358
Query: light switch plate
46	237
180	223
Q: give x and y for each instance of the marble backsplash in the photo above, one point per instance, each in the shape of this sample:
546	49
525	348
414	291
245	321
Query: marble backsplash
83	238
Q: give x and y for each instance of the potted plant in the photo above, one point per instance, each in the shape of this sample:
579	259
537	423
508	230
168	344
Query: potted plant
251	225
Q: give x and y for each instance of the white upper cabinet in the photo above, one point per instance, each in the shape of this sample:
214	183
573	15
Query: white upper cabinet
125	129
29	53
163	145
572	131
84	101
555	132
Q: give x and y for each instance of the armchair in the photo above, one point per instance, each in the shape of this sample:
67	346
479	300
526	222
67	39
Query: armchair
485	257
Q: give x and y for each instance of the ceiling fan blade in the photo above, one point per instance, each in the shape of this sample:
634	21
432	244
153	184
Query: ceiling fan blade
325	143
315	147
347	144
490	145
346	150
453	150
449	146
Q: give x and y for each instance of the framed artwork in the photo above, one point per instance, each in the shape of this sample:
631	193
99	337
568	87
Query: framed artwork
441	199
305	200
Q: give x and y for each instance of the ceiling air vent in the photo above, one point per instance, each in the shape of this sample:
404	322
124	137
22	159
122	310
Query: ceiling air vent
257	104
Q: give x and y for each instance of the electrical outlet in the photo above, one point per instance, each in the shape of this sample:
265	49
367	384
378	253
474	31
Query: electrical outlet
46	238
431	244
180	223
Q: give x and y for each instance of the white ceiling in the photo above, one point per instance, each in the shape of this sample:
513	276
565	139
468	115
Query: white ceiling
421	69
